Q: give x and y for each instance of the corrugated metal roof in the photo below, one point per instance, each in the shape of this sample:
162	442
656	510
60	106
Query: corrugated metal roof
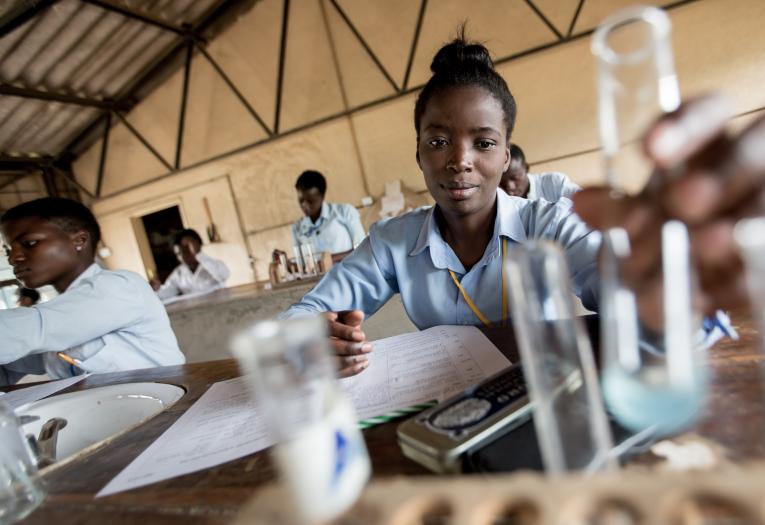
92	50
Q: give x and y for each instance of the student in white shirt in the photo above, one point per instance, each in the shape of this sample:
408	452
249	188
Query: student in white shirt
518	182
328	227
102	321
197	271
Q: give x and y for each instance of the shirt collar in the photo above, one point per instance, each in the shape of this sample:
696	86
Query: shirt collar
90	271
508	224
323	216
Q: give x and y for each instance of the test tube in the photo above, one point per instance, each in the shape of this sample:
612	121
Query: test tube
309	263
319	451
636	83
652	375
558	362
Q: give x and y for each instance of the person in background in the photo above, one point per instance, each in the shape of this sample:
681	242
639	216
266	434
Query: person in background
101	321
328	227
197	271
28	297
518	182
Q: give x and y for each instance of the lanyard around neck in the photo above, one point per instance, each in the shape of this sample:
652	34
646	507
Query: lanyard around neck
470	302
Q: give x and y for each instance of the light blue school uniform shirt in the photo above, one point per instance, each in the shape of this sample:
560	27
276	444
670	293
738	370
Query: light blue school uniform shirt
408	255
108	320
338	229
551	186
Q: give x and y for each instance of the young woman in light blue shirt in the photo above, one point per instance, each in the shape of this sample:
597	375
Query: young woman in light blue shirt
446	261
101	321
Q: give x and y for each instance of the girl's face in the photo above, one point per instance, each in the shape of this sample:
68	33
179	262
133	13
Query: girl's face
42	253
463	149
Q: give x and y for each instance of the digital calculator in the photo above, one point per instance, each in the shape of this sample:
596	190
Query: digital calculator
439	436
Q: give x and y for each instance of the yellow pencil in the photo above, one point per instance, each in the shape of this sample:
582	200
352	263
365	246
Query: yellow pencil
68	359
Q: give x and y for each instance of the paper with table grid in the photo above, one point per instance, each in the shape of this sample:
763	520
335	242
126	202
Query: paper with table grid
414	368
224	423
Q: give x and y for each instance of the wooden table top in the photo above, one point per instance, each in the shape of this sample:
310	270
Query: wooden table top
215	495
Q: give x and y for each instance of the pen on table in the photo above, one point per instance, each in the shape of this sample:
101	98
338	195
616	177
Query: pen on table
72	362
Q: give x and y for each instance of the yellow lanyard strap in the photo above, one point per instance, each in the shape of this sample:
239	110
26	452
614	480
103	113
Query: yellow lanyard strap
470	302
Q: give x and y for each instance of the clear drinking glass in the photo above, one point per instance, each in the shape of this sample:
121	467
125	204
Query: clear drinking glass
653	377
21	490
558	363
319	449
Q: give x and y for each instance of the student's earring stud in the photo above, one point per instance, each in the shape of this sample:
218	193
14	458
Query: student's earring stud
78	248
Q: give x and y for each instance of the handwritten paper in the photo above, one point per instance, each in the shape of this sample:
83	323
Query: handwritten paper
221	426
414	368
18	398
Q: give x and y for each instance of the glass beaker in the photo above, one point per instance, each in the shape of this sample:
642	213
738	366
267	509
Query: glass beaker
558	362
319	449
21	490
653	375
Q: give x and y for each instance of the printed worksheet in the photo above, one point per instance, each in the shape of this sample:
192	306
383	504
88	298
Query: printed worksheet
223	425
414	368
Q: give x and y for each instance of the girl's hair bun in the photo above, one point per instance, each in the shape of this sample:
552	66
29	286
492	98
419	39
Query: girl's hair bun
459	55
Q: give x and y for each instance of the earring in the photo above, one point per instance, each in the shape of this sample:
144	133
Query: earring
78	248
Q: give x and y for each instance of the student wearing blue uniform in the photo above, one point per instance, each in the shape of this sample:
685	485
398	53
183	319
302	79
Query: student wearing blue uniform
328	227
446	261
101	321
550	186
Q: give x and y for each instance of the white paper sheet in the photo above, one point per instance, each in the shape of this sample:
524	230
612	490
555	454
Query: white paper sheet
414	368
221	426
18	398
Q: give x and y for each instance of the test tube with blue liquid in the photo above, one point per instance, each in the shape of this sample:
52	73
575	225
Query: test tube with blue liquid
653	374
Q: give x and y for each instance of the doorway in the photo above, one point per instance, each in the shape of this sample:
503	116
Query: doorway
161	226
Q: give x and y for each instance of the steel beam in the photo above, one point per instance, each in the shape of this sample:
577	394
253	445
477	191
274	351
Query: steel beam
184	97
104	151
574	19
143	141
364	45
282	53
544	19
233	88
64	98
415	40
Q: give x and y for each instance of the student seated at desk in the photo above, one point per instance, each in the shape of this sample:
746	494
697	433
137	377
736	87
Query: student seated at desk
328	227
446	261
102	321
518	182
197	271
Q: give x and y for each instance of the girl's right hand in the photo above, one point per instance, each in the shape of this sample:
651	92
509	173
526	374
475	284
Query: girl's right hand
348	342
